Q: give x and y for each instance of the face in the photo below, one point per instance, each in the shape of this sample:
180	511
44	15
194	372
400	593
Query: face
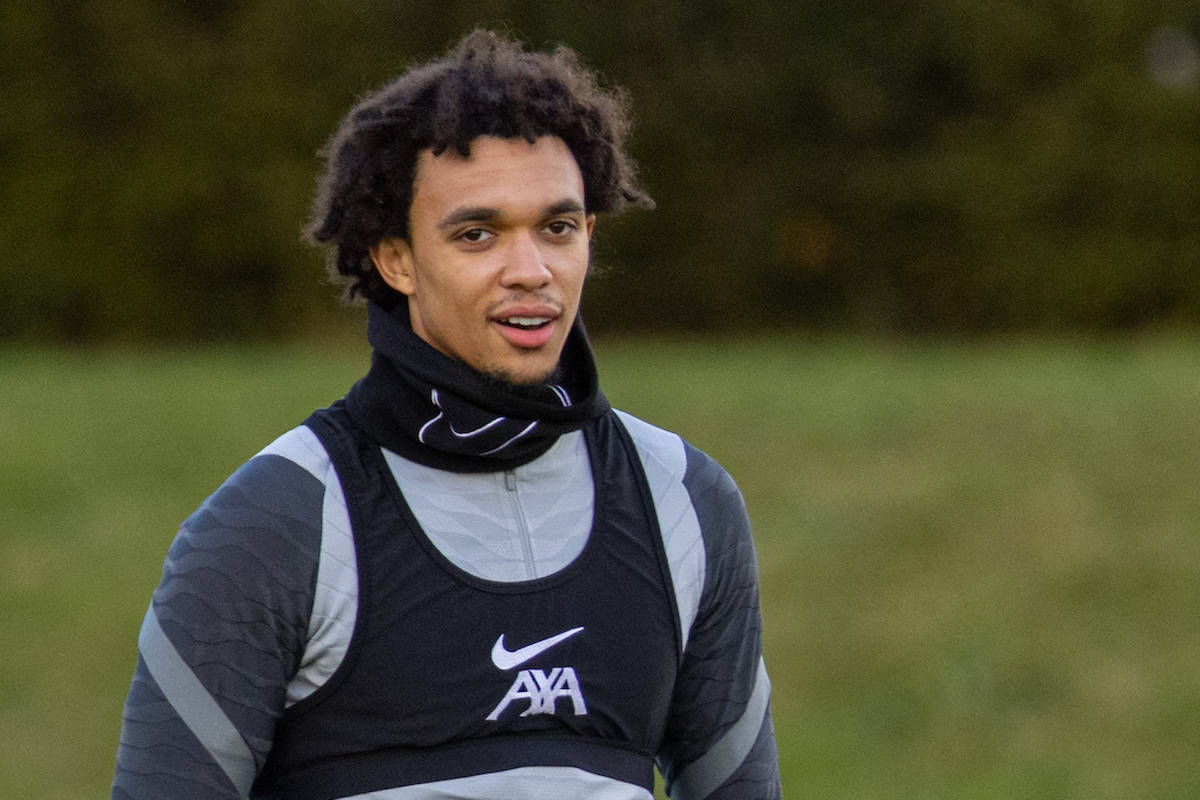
497	254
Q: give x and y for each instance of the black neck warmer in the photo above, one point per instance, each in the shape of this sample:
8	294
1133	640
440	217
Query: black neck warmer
439	412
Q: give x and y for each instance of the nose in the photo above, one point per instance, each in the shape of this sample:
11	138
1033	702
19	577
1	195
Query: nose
525	264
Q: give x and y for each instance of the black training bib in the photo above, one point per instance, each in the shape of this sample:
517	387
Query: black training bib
449	675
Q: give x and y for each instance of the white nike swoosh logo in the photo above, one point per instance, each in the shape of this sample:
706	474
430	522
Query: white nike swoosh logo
504	658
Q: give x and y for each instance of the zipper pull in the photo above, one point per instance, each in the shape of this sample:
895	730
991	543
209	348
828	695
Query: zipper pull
510	480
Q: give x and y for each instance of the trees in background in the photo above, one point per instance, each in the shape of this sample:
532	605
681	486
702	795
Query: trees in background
939	165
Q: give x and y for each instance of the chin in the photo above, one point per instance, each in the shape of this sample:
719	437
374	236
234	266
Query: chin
523	382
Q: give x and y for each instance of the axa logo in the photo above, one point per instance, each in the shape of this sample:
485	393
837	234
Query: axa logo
540	688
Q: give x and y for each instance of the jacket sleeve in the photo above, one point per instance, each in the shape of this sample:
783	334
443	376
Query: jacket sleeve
223	636
720	742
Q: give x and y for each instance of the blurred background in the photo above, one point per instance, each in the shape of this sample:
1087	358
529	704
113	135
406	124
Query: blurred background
940	165
944	254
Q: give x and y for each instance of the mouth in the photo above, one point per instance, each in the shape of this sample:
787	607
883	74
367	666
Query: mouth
525	323
527	329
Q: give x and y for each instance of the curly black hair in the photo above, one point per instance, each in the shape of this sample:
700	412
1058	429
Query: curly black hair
486	86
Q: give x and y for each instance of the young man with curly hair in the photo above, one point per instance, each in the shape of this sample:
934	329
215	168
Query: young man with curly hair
470	577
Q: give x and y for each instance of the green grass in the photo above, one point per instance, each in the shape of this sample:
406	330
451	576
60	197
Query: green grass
980	562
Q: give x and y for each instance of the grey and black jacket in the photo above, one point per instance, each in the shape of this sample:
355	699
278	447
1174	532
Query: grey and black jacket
265	624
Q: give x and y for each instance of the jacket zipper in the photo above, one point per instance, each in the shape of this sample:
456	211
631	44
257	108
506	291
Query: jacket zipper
523	535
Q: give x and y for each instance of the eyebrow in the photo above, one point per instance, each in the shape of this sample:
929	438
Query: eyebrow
488	214
470	214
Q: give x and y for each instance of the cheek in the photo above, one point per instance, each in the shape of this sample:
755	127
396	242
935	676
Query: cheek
443	283
578	274
451	305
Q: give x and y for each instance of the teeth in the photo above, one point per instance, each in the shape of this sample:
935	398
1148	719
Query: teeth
527	322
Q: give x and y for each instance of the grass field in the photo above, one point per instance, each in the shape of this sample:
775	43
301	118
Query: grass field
980	562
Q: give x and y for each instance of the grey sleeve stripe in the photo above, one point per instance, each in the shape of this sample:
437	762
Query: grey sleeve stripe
301	446
706	774
194	705
664	460
335	598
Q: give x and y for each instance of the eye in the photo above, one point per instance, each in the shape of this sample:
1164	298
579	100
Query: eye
560	227
475	236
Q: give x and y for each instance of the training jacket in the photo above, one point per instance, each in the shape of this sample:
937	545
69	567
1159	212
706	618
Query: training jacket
260	595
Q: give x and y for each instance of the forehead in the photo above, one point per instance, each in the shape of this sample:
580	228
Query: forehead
499	173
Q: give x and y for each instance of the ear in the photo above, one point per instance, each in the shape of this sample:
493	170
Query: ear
393	261
591	223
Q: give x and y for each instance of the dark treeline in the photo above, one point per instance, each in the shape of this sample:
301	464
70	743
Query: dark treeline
937	165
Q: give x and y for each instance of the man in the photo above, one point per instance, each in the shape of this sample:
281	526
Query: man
469	578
